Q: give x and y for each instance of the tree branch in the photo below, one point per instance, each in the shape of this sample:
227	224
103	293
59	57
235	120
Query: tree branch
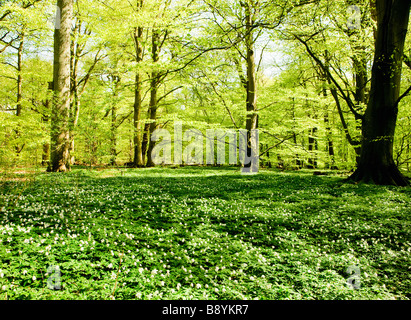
327	71
403	96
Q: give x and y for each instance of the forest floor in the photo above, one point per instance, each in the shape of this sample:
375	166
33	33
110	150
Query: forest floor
201	233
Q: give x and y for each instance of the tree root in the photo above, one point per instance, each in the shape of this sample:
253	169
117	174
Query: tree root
381	175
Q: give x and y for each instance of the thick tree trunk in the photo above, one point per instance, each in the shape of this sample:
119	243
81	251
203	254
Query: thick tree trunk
251	103
61	100
376	163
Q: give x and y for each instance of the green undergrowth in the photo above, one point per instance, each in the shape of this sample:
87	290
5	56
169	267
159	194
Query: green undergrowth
202	233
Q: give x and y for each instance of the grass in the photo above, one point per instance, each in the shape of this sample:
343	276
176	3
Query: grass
202	233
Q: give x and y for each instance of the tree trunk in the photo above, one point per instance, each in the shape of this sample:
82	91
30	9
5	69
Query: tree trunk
153	115
61	100
251	103
138	152
298	162
19	76
360	75
330	144
144	143
376	163
74	99
312	148
45	157
113	136
19	90
153	95
73	124
330	164
114	126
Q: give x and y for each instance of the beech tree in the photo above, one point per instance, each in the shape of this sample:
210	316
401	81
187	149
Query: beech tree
60	135
241	24
376	164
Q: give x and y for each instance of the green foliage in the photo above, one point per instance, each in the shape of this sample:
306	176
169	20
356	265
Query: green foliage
202	234
202	59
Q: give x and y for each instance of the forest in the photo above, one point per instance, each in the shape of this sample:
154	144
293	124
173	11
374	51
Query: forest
137	123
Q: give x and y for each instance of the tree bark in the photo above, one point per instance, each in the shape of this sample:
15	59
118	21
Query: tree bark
376	164
19	89
330	144
153	116
74	99
138	152
251	103
144	142
19	75
330	164
153	95
312	148
60	138
114	125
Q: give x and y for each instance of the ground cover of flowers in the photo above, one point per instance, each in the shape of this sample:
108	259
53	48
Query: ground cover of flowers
202	233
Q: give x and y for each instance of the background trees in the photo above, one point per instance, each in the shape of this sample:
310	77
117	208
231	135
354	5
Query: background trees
294	69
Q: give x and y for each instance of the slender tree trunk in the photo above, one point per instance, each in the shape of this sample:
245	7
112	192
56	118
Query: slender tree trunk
330	143
138	152
45	158
153	95
312	148
144	142
75	106
61	101
113	135
312	140
19	75
19	96
297	156
376	163
360	74
76	50
360	69
114	126
46	154
153	115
